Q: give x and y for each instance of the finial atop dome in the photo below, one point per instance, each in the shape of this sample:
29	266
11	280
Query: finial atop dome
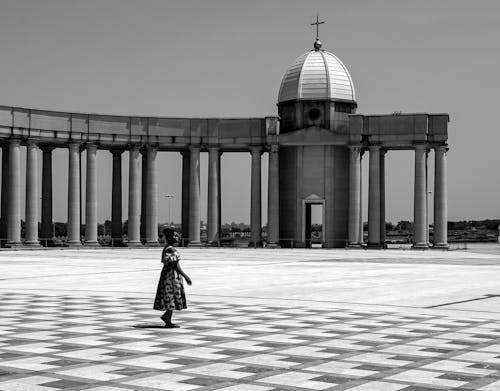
317	44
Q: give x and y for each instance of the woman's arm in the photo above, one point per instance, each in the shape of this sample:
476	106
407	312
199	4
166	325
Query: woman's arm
181	272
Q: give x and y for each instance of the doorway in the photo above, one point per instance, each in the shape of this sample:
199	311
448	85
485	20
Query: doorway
314	233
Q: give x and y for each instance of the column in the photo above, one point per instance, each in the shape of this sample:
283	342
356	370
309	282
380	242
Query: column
382	198
273	212
354	195
144	191
256	199
74	195
186	157
374	198
134	198
152	199
194	197
5	187
213	196
91	197
440	199
420	198
116	200
46	230
14	195
31	217
361	227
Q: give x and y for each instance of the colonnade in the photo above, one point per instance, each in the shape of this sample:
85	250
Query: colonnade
376	197
142	195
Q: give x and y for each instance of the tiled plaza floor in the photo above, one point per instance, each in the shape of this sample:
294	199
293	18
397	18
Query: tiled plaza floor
103	334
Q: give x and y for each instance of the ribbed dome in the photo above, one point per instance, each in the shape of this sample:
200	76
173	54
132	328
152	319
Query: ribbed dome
317	75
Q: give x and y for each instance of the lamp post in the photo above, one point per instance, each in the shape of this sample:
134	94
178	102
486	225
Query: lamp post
169	198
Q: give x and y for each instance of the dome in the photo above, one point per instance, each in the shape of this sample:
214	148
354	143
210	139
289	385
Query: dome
317	74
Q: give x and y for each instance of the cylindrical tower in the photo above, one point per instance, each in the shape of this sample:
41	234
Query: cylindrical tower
315	99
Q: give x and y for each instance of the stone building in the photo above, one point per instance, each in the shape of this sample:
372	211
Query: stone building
315	147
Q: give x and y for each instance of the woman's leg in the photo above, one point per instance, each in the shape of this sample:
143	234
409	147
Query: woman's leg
167	317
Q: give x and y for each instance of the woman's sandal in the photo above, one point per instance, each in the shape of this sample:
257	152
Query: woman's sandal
171	326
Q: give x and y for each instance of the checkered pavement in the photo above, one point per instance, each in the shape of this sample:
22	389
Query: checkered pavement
101	343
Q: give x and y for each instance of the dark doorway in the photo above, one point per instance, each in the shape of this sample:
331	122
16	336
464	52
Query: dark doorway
314	225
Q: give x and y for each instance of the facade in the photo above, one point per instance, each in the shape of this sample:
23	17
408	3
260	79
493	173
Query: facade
315	147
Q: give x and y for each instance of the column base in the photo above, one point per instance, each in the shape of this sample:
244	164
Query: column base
32	244
272	245
375	246
94	244
214	243
420	246
133	244
74	244
153	243
354	246
194	244
14	245
441	246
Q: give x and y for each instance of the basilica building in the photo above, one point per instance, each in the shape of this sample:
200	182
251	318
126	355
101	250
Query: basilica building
316	144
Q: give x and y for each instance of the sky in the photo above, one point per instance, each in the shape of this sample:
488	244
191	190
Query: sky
227	57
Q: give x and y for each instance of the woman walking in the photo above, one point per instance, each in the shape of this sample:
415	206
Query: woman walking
170	293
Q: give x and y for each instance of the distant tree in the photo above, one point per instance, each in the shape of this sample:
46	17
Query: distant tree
60	229
404	225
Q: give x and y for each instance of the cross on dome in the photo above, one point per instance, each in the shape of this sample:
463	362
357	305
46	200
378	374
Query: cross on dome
317	43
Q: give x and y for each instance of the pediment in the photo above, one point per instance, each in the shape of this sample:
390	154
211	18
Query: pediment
313	197
312	136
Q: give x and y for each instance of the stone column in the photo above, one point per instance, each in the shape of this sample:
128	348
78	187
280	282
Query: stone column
46	229
186	157
14	197
213	196
91	197
134	198
440	199
31	224
116	200
144	192
74	195
382	198
256	199
5	187
152	199
420	198
273	212
361	228
194	197
374	198
354	195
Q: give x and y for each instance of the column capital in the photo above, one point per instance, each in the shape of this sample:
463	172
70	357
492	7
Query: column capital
117	152
355	148
194	148
442	148
214	148
420	147
74	145
91	147
254	149
47	148
374	147
14	141
273	148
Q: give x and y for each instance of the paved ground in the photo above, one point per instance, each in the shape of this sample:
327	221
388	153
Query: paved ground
257	320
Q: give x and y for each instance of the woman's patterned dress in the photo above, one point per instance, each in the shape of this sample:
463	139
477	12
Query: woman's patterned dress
170	293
